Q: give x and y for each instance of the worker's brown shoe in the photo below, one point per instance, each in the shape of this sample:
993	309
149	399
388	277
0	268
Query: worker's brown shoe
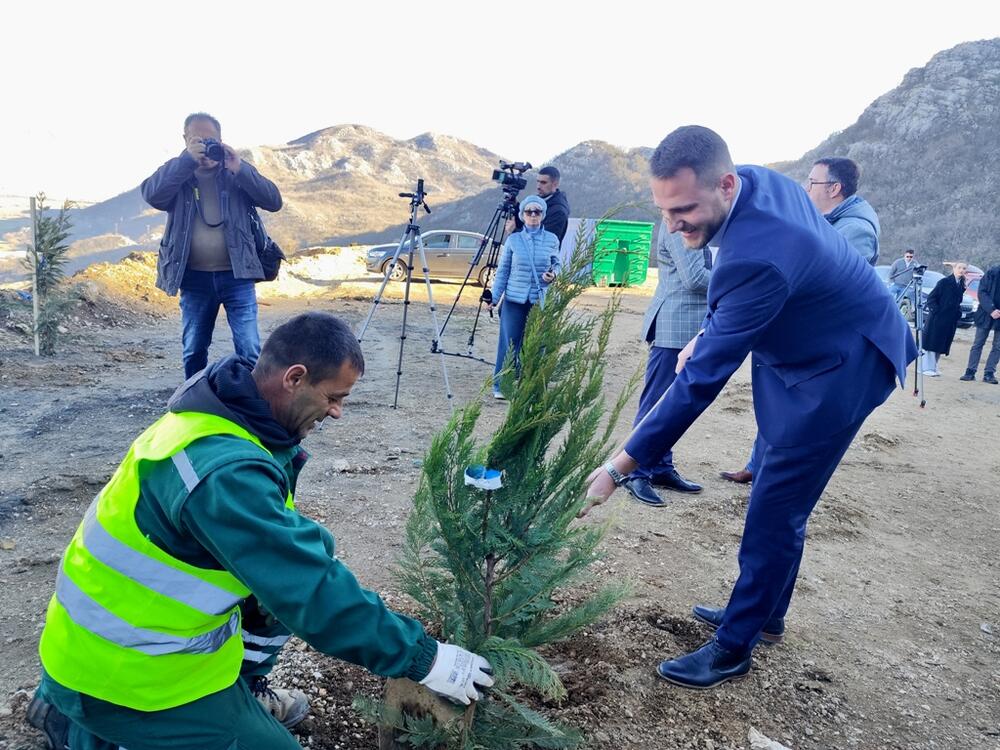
289	707
740	477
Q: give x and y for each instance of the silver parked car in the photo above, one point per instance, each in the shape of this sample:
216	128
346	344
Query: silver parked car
449	253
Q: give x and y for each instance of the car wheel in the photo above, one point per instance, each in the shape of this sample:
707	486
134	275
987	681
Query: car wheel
486	275
398	272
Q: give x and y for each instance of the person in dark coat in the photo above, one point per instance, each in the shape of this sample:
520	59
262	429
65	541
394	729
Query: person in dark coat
987	319
944	308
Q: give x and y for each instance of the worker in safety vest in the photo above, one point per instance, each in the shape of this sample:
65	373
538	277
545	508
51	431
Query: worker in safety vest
191	568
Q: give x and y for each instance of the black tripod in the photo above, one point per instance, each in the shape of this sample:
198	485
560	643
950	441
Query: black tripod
917	285
411	238
492	239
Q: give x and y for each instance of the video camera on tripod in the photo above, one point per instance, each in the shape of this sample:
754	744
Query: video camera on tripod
511	183
509	176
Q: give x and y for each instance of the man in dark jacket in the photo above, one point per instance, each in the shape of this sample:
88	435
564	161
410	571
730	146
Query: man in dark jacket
987	319
145	643
556	206
207	251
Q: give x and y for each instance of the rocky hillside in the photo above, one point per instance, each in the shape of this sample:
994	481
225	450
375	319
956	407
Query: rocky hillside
929	151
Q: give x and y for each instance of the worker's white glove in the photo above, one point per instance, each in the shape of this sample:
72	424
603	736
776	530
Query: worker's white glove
456	673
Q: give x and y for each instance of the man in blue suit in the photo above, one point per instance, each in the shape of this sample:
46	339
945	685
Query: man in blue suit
828	346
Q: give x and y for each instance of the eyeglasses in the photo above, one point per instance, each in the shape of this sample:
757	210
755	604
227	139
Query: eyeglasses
532	212
810	183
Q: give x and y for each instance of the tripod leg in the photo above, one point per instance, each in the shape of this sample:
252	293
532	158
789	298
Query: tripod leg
472	266
434	320
381	289
491	263
415	237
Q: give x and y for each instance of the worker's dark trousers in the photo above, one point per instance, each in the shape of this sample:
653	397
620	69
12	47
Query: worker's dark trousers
230	719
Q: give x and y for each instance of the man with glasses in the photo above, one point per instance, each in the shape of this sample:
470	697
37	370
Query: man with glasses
900	276
832	187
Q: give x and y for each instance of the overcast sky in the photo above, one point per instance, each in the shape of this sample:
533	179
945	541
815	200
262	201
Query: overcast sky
95	93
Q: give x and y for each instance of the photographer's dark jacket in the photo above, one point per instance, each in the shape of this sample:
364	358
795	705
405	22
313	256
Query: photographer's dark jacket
171	188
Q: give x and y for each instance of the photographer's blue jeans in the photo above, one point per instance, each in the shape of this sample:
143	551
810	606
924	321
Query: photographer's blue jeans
201	294
897	293
513	318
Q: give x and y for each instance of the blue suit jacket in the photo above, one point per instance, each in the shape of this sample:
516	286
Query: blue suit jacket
827	341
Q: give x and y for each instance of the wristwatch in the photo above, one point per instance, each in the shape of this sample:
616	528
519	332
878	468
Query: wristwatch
616	476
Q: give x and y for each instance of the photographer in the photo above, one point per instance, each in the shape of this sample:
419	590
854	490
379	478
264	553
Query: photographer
900	276
557	207
529	263
207	251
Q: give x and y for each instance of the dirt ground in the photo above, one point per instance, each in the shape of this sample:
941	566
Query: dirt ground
894	632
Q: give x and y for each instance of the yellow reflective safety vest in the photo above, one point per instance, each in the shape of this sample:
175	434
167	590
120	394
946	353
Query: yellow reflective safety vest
129	623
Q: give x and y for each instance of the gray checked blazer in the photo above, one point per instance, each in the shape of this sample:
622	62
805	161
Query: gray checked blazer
679	305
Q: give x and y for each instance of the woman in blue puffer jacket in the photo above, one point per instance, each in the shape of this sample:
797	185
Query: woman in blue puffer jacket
529	263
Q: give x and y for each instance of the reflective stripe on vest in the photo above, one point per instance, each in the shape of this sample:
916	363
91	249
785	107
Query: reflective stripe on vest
88	614
163	579
129	623
259	648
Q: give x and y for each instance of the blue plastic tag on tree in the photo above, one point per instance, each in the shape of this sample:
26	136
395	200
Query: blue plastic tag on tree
483	478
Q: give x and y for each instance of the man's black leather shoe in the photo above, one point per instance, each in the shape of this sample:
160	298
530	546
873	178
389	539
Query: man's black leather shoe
642	491
674	481
969	375
705	668
53	724
773	632
990	379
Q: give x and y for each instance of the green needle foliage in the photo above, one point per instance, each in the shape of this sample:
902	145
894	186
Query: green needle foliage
485	566
46	259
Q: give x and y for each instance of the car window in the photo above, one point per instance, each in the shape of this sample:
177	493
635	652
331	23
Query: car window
932	277
467	242
437	241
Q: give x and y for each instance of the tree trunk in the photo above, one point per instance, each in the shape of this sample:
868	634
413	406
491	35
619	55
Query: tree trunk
408	697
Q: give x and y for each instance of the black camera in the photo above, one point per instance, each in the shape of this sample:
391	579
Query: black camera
509	175
919	270
214	150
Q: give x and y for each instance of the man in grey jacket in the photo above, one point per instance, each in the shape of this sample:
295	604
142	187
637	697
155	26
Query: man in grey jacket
673	318
832	187
207	251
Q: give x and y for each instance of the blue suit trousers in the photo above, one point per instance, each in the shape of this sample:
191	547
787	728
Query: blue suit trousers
659	375
787	484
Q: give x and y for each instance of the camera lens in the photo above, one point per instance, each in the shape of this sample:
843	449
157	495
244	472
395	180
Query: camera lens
214	150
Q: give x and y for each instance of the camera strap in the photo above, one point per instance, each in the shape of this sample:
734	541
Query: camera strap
201	213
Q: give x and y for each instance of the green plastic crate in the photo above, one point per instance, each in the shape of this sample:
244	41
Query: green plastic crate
621	252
